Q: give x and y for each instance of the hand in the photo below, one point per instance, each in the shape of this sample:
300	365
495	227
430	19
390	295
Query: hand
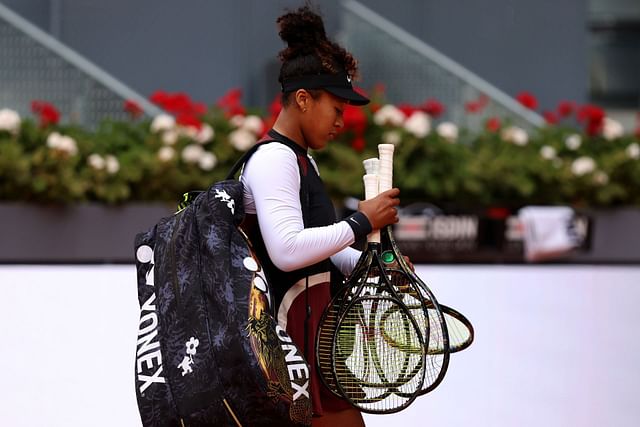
381	210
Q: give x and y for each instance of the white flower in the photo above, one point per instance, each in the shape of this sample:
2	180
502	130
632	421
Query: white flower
189	131
162	122
169	137
68	145
205	134
237	120
53	140
96	161
242	139
253	124
419	124
112	164
389	114
192	345
515	135
62	143
448	131
10	121
573	141
583	165
192	153
207	161
633	151
547	152
612	129
166	153
600	178
391	137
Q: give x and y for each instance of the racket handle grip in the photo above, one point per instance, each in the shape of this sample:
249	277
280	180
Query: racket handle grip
370	186
371	166
371	191
386	166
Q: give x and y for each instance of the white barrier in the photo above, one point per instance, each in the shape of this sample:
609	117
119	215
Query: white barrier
555	346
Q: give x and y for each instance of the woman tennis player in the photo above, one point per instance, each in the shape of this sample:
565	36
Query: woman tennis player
297	238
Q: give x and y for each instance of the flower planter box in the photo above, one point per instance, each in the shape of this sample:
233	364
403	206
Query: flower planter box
608	236
95	233
82	233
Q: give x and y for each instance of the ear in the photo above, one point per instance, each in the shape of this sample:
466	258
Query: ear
303	99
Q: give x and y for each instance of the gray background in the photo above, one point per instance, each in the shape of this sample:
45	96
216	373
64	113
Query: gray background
205	47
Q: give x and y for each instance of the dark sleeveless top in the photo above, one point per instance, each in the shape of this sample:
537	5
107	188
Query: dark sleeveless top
317	211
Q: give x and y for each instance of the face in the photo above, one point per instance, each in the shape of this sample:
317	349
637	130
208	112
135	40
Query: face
323	120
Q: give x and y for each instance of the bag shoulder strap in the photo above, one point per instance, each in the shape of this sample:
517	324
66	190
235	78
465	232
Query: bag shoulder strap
303	167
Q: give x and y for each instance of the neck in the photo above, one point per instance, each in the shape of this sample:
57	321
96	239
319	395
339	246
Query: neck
287	124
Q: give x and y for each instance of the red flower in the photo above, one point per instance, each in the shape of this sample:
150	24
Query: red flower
477	106
527	100
274	110
187	120
231	104
550	117
433	107
132	108
355	119
159	97
358	143
276	106
178	103
407	109
565	108
593	116
493	124
181	105
47	113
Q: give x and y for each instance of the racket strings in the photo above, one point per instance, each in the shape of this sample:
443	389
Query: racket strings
378	376
384	340
430	321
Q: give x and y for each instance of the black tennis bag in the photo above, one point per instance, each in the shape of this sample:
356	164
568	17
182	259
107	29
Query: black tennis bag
209	351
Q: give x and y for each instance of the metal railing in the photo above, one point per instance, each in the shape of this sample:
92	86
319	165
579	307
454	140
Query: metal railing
412	71
36	66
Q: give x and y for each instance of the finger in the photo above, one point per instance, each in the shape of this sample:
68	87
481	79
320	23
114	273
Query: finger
394	192
394	202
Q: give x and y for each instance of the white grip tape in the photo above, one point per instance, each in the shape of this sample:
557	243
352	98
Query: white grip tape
370	186
371	166
371	191
386	166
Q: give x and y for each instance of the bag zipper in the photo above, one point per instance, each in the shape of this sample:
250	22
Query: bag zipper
172	250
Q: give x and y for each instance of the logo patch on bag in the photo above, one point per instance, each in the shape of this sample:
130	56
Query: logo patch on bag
186	363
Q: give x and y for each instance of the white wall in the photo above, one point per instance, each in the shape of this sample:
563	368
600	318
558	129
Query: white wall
555	346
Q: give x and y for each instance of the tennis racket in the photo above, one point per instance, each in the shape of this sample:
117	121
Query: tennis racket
371	349
416	294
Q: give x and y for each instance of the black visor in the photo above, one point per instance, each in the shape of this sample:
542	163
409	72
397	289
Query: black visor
336	84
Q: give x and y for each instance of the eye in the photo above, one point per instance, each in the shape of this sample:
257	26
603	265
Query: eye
339	111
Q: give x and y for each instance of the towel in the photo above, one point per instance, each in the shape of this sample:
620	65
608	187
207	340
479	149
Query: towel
547	232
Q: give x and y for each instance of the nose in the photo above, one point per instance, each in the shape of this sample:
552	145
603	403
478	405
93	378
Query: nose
339	123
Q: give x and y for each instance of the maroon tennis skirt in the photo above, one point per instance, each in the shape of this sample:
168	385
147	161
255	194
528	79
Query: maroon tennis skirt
319	297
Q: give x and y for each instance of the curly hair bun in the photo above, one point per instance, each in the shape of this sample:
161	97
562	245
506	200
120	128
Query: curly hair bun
302	30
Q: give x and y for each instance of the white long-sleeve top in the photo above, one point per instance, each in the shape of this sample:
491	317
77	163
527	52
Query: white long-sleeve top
271	181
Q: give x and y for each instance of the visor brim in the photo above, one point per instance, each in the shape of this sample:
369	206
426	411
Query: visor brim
351	96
